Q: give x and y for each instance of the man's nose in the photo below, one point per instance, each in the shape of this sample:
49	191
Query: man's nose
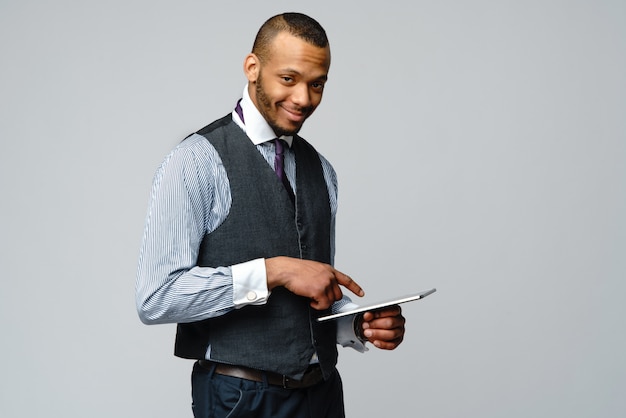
301	95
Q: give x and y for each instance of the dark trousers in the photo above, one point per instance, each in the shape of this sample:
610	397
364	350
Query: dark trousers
217	396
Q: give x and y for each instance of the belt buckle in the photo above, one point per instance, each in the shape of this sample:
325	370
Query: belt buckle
286	382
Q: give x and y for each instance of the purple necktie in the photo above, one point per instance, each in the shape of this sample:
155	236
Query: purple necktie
279	158
279	166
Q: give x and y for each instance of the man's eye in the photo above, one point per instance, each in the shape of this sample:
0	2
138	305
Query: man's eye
287	79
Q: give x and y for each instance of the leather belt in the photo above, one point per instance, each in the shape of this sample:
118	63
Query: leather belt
312	376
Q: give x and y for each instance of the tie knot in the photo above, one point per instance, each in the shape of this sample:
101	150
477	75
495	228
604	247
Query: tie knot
280	146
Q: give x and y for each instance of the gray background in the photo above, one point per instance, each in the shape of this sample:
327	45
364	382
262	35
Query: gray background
503	125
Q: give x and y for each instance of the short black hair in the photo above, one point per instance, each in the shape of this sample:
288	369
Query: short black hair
296	24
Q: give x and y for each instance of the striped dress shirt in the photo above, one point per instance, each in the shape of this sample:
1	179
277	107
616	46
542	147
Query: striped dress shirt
190	198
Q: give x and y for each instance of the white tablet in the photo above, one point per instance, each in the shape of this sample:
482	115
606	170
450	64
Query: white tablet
379	305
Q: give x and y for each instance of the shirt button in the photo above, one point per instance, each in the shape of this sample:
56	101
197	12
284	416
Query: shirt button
251	295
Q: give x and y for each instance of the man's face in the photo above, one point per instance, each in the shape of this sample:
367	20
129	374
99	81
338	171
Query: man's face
288	86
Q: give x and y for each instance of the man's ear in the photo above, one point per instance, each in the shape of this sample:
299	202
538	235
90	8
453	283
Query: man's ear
251	67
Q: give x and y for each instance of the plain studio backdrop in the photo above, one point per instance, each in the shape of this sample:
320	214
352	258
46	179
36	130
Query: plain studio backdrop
480	147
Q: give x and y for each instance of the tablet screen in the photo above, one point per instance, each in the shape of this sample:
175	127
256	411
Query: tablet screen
379	305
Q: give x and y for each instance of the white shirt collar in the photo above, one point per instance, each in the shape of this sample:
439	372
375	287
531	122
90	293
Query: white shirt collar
255	126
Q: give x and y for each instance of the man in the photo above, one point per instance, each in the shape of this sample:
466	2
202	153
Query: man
239	245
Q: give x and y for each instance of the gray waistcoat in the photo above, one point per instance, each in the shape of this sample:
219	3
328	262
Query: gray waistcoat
282	335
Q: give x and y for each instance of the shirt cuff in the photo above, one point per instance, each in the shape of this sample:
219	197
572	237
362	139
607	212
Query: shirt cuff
346	334
250	283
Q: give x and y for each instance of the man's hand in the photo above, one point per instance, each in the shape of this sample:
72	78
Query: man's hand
384	328
317	281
